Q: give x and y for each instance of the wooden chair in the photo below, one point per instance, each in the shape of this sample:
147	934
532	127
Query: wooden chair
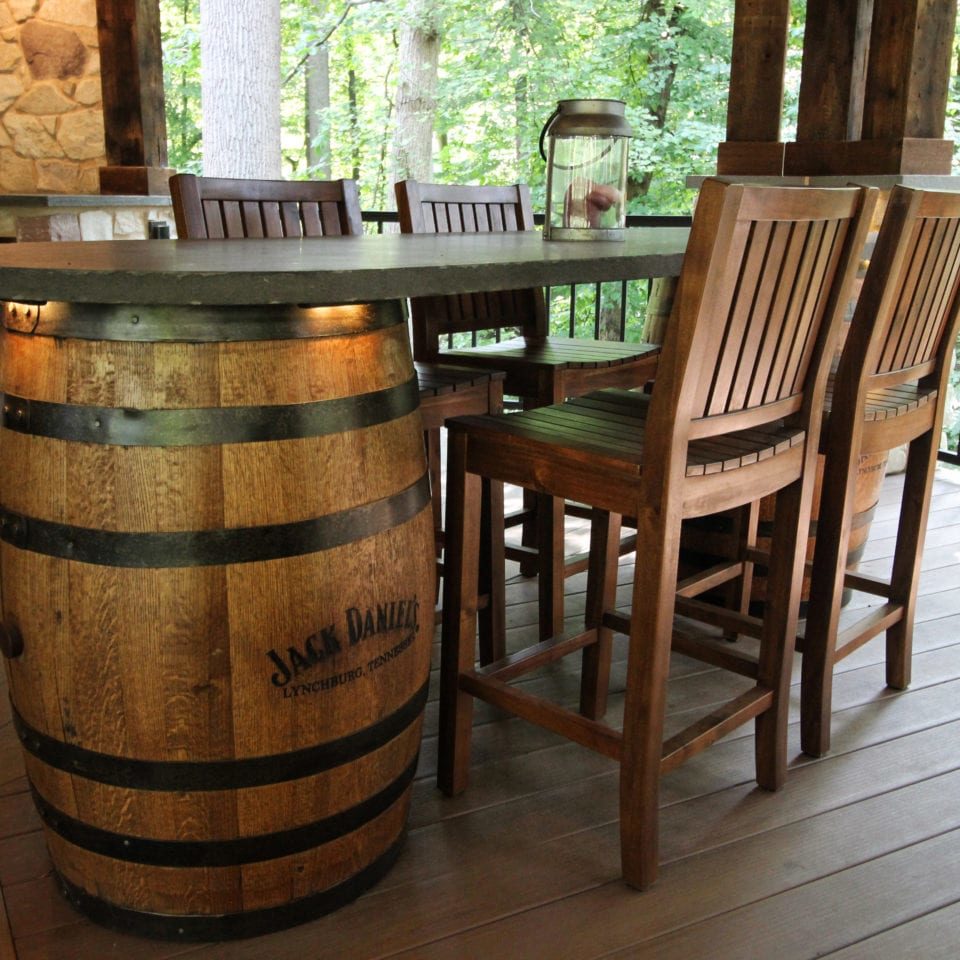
219	208
734	415
890	389
225	208
540	369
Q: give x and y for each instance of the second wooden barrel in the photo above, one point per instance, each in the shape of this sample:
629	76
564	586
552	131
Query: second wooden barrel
217	563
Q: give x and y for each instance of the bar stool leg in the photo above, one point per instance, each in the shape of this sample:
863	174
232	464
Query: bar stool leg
778	637
648	665
459	617
601	596
908	554
492	575
819	645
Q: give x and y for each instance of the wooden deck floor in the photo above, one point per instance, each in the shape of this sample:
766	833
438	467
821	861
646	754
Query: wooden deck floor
858	857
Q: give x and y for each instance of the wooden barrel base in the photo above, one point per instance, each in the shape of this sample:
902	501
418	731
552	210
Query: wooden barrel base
214	554
231	926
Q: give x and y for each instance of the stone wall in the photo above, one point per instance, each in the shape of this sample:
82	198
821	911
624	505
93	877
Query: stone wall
51	120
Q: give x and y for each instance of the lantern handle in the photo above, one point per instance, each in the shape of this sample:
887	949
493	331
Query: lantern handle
543	132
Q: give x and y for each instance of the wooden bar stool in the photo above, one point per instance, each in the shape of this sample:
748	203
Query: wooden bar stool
228	208
890	388
735	415
540	369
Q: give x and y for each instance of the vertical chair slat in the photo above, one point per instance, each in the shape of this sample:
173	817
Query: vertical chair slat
312	221
290	216
272	223
213	220
830	237
914	290
733	352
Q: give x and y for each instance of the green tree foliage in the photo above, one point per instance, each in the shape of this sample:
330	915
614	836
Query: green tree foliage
180	26
503	66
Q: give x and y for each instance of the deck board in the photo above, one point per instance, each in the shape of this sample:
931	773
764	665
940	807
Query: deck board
933	937
525	864
7	951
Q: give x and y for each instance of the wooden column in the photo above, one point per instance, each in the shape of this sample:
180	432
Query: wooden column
907	81
135	129
756	89
836	42
874	104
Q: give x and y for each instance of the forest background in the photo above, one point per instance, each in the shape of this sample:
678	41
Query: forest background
489	75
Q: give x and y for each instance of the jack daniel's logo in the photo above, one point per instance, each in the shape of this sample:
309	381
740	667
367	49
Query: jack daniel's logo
358	626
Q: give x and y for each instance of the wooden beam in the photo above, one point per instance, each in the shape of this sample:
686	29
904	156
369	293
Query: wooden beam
868	157
757	70
909	69
755	103
751	158
836	42
131	65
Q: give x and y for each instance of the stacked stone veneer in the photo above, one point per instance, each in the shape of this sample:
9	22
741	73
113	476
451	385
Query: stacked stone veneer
51	126
51	118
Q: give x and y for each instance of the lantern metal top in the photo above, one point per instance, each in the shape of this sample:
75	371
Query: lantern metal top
589	118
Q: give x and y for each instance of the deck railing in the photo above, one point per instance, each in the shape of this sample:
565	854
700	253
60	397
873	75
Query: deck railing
618	311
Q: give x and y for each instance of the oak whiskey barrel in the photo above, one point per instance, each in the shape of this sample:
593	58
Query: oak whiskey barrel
217	549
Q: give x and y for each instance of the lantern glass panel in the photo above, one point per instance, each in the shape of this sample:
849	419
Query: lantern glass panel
586	183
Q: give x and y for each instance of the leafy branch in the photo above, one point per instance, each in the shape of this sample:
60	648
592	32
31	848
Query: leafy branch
317	44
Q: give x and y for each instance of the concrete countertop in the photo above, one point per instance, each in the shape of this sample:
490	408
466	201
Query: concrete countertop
326	270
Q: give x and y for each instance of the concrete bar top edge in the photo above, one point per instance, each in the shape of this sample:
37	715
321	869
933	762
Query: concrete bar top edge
327	270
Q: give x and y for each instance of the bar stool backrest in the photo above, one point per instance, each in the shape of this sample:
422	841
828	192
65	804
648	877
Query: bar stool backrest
907	318
218	208
458	208
754	311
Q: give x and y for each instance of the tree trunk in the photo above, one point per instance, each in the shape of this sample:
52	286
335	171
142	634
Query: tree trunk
520	11
353	107
240	87
658	104
416	92
317	75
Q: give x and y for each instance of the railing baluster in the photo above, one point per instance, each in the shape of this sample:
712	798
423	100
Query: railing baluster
623	310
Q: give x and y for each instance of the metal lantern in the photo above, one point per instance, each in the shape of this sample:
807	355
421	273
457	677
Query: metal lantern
586	170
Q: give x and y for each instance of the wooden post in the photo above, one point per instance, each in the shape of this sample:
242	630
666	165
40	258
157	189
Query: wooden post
899	127
135	130
836	42
907	81
756	89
